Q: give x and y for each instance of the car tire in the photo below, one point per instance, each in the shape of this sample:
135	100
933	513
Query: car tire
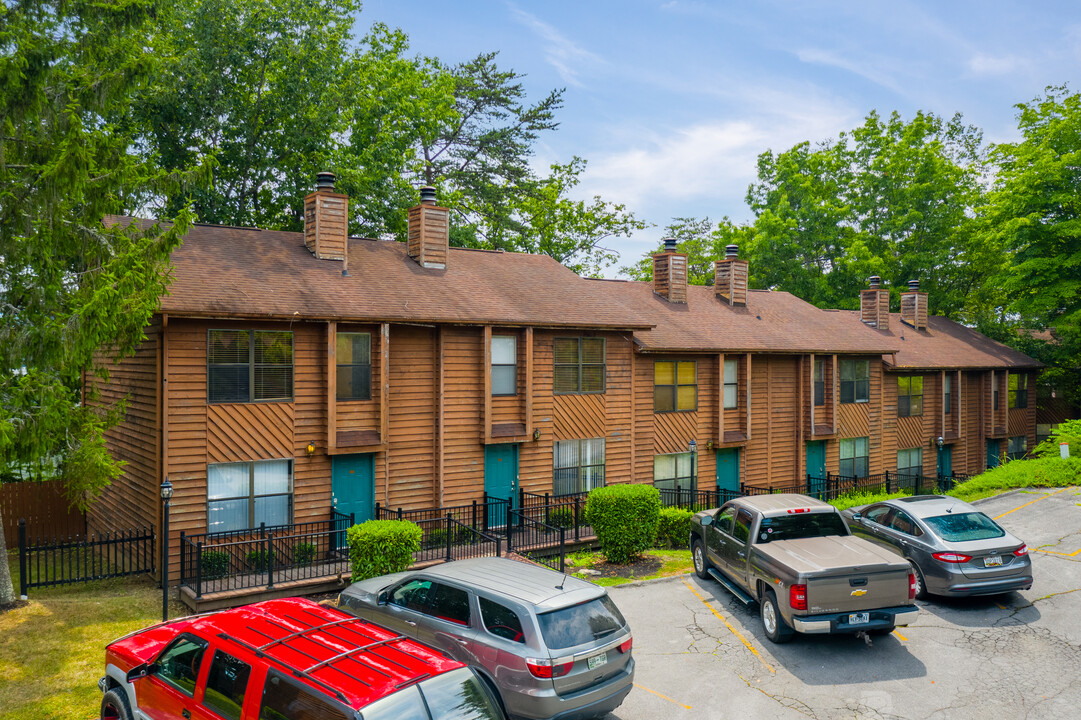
776	628
921	584
114	705
698	556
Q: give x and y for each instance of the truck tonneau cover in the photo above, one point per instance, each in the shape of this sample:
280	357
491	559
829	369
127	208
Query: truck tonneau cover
831	556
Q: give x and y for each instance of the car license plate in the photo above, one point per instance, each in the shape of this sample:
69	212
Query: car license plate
597	660
859	618
992	561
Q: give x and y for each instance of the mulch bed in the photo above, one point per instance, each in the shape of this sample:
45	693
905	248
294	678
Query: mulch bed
13	606
642	567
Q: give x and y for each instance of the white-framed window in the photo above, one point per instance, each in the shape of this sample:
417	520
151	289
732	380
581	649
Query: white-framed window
909	395
578	365
820	382
249	366
947	394
731	383
243	495
577	466
675	470
354	366
855	458
910	461
675	386
855	381
504	365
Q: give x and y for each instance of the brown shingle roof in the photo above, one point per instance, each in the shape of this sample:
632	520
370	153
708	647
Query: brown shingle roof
771	321
243	272
945	344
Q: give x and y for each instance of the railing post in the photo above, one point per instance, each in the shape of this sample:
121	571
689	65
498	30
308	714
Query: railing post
577	532
499	547
562	550
888	490
22	559
183	557
378	515
547	510
199	571
449	558
474	515
269	563
399	513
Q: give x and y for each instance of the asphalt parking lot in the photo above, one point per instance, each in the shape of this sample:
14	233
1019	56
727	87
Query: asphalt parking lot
701	654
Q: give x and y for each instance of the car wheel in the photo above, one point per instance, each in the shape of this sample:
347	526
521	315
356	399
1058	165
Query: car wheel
921	586
114	705
776	629
698	554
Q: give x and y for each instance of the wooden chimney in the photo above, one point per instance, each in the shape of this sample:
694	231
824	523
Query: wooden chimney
429	231
875	304
326	221
914	306
730	277
670	273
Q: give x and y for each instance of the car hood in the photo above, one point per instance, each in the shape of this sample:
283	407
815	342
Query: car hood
142	646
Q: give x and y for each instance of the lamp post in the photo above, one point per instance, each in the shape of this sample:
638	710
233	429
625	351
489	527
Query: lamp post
166	496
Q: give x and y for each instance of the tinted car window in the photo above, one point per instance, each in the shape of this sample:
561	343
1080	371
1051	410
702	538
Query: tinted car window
179	663
501	621
406	704
283	700
959	527
801	525
412	594
449	603
741	530
458	695
225	685
902	523
723	521
580	624
878	514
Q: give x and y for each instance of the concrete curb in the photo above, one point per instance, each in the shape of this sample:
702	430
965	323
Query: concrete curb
651	581
1015	491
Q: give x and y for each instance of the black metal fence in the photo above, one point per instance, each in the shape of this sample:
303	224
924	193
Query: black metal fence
264	556
46	563
448	539
485	516
533	538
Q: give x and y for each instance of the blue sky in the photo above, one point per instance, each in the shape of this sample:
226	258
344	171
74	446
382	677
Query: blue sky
671	102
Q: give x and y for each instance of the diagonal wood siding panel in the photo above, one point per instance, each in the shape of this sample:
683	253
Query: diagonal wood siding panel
852	420
909	433
579	416
673	430
252	431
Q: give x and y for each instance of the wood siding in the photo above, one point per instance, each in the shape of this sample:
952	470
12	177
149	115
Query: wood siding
252	431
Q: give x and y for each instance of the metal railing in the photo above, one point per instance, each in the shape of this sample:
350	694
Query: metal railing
485	515
446	539
530	537
47	563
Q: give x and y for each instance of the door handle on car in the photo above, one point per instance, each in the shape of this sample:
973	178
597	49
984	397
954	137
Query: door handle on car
410	622
186	713
462	641
742	554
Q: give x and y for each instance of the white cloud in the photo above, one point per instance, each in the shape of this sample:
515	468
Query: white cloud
984	64
567	57
865	67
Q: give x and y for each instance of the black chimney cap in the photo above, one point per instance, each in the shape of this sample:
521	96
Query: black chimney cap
670	244
913	285
427	195
324	181
731	252
874	282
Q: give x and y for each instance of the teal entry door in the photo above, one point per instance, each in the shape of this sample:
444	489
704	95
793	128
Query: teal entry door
501	478
728	472
352	479
945	461
992	454
816	466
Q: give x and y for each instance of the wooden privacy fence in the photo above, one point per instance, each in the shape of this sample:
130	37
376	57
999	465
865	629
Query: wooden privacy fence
47	512
44	563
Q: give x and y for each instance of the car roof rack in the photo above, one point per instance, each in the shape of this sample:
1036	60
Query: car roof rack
356	653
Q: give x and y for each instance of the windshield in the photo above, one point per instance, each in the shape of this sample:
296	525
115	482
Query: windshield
801	525
961	527
581	624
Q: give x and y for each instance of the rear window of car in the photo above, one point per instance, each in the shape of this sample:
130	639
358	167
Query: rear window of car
581	624
800	525
961	527
457	695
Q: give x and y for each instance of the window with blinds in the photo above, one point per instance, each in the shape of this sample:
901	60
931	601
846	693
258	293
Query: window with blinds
577	466
854	457
855	381
731	380
672	471
249	365
910	461
246	494
820	382
675	386
504	365
578	365
354	360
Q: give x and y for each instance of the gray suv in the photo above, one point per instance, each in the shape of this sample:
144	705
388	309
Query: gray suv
550	645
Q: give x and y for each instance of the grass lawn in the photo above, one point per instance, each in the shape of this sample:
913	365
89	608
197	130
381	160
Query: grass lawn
652	564
52	649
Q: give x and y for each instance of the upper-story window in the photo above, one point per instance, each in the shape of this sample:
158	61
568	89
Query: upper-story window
675	386
578	365
909	395
820	381
249	365
504	365
855	458
731	381
947	394
1018	391
855	381
354	357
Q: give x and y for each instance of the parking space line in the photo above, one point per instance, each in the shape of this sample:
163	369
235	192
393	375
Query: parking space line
1033	501
729	626
899	635
663	697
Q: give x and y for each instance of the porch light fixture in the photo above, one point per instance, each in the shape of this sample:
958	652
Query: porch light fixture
940	441
536	434
310	448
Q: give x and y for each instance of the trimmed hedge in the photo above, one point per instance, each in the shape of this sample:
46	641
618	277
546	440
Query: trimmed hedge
379	547
674	527
625	519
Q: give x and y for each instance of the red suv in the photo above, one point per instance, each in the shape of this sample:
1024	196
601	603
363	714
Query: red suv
285	660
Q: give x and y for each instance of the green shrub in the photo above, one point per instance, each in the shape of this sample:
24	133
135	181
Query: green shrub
378	547
215	564
260	560
674	527
625	519
1069	432
304	553
437	537
562	517
864	498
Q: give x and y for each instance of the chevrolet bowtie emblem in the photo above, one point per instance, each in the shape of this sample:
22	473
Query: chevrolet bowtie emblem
859	593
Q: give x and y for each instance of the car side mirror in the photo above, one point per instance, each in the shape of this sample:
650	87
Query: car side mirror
707	520
381	598
141	670
857	516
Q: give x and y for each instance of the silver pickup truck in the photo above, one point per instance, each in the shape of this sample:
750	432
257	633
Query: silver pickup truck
794	556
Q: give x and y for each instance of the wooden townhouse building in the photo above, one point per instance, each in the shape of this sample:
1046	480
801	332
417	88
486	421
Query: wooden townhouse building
290	374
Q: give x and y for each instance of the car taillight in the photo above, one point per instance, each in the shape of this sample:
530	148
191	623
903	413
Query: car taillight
797	597
912	586
547	669
1021	551
951	557
625	646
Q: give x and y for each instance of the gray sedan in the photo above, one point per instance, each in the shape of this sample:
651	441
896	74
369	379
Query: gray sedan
550	645
955	549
